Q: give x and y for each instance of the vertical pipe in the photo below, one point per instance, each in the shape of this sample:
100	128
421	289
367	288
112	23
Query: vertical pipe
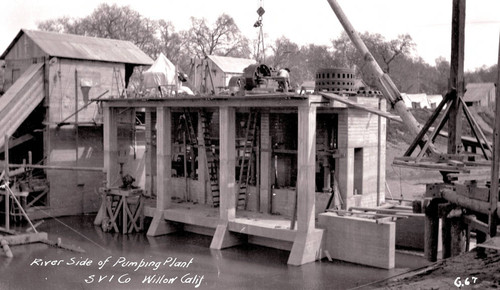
76	123
379	150
185	166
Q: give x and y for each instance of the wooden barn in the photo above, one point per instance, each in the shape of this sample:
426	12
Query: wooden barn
48	118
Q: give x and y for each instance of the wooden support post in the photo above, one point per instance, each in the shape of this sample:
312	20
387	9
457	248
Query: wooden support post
447	237
307	242
202	161
6	174
431	233
227	181
265	163
456	76
110	144
76	126
458	236
6	155
46	130
492	216
149	154
164	173
379	152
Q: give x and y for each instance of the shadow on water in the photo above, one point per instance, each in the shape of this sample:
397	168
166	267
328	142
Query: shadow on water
176	261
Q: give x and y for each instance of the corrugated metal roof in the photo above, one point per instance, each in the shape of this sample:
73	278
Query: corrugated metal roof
478	91
84	47
231	64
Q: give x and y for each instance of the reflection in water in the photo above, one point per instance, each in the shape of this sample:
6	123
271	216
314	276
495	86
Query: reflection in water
176	261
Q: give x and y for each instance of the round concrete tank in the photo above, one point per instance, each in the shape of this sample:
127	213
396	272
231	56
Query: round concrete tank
339	80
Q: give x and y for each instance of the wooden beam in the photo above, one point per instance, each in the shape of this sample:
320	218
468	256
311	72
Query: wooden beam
431	230
456	75
18	141
387	210
343	100
55	167
148	134
492	220
476	129
202	160
429	123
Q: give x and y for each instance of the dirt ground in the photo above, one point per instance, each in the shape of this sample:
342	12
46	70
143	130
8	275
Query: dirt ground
472	270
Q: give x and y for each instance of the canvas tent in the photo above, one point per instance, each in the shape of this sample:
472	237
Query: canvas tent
162	74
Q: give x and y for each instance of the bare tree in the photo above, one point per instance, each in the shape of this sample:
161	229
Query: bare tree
110	21
223	38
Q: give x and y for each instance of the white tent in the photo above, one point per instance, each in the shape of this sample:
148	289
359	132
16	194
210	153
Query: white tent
415	100
161	74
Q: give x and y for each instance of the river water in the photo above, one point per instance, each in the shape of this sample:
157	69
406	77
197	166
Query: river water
176	261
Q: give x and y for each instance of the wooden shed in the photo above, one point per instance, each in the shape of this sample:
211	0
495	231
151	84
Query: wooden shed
217	70
480	94
47	109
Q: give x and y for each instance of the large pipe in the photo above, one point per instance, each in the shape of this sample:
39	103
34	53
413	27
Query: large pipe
384	82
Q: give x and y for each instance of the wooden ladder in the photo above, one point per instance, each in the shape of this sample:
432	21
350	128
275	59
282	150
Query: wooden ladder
212	160
245	161
188	122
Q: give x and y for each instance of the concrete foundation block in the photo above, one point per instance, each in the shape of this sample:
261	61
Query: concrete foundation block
159	226
359	240
306	248
223	238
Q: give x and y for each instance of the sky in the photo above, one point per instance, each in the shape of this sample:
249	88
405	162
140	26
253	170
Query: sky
303	22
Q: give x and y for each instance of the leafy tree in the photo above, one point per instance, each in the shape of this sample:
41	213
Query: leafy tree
483	74
223	38
442	68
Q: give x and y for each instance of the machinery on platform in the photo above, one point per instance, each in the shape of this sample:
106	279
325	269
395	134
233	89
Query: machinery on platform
260	77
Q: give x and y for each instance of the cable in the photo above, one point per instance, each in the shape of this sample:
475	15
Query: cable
74	230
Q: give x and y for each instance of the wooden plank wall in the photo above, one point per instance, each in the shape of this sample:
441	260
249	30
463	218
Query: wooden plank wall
75	192
23	54
62	87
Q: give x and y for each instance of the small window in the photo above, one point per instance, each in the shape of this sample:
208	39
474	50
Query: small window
358	171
